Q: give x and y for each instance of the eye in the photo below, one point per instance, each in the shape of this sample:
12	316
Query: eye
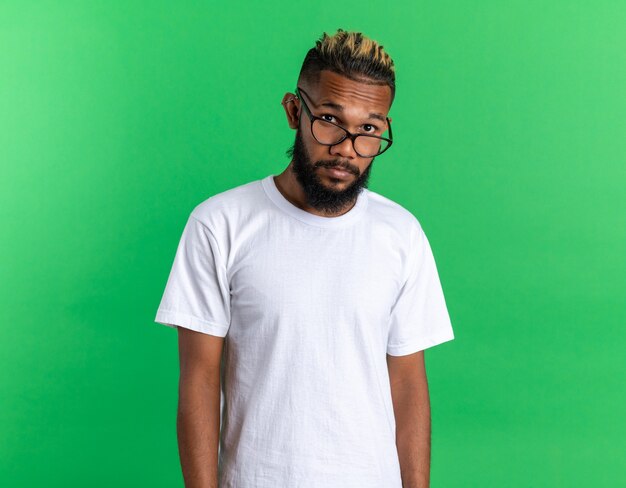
373	128
330	117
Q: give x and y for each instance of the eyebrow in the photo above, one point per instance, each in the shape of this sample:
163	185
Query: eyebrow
336	106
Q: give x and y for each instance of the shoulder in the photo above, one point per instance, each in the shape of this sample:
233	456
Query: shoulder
225	207
393	216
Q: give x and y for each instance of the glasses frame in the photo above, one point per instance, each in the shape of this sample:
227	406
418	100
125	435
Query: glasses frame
348	134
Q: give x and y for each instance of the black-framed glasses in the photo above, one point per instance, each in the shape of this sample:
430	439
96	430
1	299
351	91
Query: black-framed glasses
330	134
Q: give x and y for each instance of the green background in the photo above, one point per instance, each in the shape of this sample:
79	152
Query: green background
117	118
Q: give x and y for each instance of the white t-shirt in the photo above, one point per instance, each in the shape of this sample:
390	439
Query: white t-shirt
309	306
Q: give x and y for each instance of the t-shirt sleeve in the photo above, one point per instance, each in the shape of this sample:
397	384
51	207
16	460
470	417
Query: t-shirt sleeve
197	293
419	317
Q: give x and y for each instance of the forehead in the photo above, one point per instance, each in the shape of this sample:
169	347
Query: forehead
355	97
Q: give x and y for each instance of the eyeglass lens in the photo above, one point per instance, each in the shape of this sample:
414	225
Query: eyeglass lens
327	133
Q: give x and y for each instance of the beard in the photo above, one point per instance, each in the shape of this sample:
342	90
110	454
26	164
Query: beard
317	194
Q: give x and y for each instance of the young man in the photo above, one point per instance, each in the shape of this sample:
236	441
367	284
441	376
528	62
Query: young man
307	301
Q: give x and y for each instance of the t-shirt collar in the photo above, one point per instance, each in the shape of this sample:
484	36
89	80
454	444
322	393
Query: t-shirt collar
274	194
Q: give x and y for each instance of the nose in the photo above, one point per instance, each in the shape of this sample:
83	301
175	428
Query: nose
344	149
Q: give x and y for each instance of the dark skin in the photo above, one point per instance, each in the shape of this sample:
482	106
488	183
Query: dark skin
358	100
198	417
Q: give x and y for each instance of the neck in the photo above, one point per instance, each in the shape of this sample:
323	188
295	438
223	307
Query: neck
289	186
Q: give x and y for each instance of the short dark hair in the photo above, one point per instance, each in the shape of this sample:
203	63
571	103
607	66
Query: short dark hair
350	54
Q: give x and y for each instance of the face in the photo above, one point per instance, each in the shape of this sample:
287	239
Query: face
350	104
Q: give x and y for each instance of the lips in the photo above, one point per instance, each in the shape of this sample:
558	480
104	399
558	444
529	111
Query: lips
339	173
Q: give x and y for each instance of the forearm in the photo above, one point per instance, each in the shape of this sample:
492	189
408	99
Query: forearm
412	412
198	423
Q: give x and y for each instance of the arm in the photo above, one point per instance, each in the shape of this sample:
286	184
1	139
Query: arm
198	418
411	405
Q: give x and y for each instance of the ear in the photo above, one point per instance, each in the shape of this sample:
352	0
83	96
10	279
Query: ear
292	109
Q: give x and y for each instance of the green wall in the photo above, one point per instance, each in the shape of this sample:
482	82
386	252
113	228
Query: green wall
118	117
